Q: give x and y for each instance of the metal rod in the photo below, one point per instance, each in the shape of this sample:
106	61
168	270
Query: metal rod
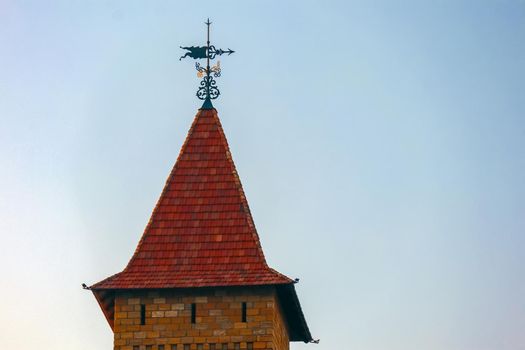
208	60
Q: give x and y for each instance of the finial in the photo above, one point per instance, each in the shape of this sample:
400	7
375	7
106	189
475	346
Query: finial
208	86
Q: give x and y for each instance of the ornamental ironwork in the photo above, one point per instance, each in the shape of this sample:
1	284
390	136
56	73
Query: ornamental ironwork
207	90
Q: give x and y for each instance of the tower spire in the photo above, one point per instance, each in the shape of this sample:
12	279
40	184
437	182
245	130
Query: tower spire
208	86
199	264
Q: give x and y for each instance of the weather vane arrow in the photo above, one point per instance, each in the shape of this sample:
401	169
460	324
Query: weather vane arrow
208	86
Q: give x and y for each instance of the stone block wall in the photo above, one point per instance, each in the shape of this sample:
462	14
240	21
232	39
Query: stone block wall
218	322
280	333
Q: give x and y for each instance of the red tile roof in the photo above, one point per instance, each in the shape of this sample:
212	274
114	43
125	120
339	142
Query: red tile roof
201	232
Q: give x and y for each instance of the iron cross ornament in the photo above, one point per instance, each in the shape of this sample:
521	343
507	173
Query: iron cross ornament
208	86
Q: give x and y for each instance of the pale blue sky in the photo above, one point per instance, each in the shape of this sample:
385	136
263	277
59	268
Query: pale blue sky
381	145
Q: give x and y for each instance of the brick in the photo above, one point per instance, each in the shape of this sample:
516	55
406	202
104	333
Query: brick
177	306
253	312
201	299
258	331
215	312
219	332
139	335
120	342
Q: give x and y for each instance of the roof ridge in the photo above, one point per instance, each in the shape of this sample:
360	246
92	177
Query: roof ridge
246	207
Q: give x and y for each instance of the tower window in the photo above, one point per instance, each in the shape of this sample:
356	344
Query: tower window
161	347
237	346
212	346
199	347
193	312
243	318
249	346
135	347
224	346
173	346
186	346
142	314
148	347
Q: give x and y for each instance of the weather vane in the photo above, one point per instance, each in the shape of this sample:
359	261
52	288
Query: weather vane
208	87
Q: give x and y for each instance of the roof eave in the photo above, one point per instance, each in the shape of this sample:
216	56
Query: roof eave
297	326
100	287
106	301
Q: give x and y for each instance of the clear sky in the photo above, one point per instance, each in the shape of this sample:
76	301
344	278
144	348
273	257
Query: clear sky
381	145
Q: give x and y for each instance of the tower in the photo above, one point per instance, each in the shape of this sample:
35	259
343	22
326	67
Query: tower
198	279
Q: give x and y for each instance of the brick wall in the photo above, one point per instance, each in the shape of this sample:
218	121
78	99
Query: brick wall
280	334
218	319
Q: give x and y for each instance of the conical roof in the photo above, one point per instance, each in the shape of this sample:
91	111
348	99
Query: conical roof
201	232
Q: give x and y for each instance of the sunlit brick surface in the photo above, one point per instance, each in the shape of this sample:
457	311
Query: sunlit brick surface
218	319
